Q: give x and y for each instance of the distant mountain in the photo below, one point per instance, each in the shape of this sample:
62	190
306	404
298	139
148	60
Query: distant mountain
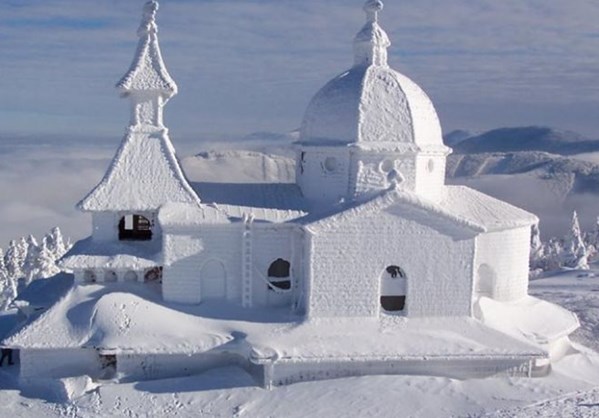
457	136
527	139
584	175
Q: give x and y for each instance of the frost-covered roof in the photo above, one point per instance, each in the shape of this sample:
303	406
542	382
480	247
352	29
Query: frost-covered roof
174	215
136	255
143	176
148	72
282	196
372	103
462	209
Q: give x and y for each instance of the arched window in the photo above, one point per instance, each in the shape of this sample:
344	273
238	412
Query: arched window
279	275
135	228
131	276
393	289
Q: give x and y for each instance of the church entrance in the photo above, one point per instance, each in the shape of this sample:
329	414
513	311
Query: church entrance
393	289
213	278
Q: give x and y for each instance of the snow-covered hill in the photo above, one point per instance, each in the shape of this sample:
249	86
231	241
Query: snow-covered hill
532	138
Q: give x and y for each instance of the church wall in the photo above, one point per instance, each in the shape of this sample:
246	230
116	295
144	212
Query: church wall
104	226
349	258
322	173
181	279
370	171
58	363
430	177
270	243
507	255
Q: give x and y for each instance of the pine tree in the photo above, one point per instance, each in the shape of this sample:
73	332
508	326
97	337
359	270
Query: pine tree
31	264
56	243
537	249
14	258
46	261
575	254
8	287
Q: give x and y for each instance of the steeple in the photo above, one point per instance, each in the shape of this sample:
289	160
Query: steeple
371	43
147	83
145	173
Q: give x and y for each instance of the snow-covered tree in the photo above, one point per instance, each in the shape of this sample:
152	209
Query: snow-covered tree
56	243
14	258
575	251
537	249
8	287
31	265
46	261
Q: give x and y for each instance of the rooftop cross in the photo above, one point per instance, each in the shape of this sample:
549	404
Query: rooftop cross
148	23
372	9
371	43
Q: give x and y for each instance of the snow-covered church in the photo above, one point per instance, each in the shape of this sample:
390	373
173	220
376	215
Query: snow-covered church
368	264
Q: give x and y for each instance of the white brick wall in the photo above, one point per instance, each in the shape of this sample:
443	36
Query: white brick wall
507	254
430	177
59	363
349	259
181	281
105	225
318	183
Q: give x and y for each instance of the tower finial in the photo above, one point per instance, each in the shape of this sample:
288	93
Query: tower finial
371	43
148	22
372	9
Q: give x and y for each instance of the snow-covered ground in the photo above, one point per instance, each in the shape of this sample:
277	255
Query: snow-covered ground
570	390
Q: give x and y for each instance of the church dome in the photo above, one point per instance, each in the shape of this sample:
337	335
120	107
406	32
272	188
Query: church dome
372	105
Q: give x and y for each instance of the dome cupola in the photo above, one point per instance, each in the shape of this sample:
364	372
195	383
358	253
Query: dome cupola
370	128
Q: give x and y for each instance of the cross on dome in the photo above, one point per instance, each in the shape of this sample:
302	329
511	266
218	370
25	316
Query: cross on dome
372	9
371	43
148	23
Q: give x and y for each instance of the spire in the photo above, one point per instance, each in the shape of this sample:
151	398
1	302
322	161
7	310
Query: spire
371	43
148	83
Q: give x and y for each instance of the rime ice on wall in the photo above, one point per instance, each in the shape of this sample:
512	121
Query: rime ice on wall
378	113
372	233
145	173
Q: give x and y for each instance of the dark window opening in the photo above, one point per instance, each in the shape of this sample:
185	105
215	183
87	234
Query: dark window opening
108	366
135	228
153	275
395	272
279	274
393	303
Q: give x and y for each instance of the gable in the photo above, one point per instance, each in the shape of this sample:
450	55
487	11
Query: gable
143	176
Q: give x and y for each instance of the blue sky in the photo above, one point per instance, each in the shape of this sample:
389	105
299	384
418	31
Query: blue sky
246	65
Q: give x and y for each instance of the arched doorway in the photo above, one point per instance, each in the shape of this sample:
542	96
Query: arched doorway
485	281
393	289
213	278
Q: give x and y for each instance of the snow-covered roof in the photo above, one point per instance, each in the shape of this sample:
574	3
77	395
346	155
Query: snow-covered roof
268	202
143	176
463	209
148	72
372	103
174	215
119	255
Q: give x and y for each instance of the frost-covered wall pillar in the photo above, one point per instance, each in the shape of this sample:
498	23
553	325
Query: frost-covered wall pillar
322	173
375	171
146	109
501	270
